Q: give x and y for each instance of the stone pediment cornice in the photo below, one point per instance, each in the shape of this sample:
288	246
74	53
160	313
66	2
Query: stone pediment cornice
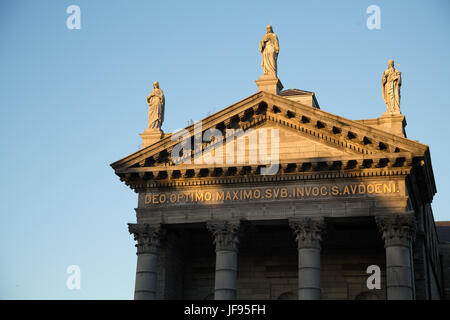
348	135
357	166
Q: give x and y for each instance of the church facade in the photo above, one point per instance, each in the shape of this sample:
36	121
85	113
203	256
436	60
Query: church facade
274	198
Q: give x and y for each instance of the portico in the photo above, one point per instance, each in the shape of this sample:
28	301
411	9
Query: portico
303	223
280	260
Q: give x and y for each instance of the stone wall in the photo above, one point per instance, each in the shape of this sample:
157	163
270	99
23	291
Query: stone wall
200	267
171	266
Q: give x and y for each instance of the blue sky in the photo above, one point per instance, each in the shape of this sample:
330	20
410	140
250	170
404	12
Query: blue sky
73	101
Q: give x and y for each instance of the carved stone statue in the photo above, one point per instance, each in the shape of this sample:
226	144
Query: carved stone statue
156	103
269	48
391	82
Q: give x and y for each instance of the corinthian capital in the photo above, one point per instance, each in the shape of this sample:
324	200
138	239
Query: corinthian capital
308	231
397	229
225	233
148	236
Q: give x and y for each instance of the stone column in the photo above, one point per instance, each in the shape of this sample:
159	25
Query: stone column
398	231
148	240
308	234
226	239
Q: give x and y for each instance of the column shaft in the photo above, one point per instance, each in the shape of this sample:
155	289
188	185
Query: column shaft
308	233
226	240
309	283
146	272
398	273
226	275
148	241
398	231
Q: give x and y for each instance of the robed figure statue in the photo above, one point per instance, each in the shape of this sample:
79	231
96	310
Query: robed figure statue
269	48
156	103
391	82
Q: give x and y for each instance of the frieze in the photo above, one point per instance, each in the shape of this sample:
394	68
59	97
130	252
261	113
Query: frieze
270	193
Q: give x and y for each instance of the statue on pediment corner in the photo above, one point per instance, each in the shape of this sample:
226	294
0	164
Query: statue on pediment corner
391	82
156	103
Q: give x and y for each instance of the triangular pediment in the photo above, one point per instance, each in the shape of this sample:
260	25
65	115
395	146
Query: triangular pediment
305	132
313	144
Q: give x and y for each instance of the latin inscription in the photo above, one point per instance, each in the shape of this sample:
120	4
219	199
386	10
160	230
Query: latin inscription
269	193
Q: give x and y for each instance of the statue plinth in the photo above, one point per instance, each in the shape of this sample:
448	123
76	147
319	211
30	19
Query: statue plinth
268	83
151	136
394	122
